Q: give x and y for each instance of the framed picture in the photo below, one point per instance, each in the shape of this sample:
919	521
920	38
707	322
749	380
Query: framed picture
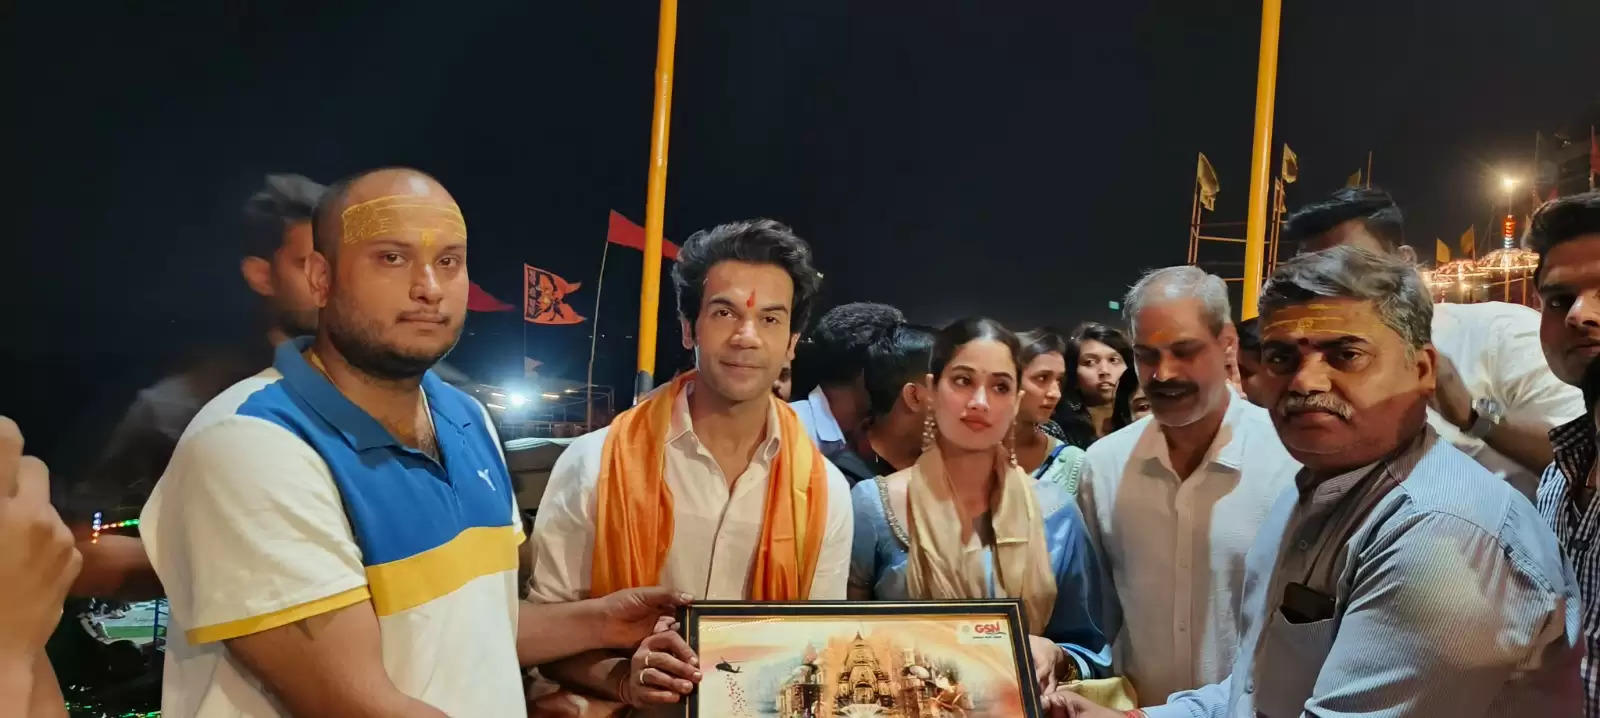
861	659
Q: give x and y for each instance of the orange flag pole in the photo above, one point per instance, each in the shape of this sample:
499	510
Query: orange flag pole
656	200
1260	155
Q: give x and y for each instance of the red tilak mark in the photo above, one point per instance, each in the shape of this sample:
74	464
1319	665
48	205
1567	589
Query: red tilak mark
750	301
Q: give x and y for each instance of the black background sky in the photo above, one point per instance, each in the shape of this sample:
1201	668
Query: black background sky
1022	159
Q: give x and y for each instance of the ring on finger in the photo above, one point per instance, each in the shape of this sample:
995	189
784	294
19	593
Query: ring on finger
647	655
641	678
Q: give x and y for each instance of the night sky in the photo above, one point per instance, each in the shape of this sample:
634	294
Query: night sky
1024	160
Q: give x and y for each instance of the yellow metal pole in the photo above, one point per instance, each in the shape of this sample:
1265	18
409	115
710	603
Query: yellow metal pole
656	199
1260	153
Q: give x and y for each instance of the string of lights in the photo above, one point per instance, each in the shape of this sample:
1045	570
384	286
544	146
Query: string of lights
97	524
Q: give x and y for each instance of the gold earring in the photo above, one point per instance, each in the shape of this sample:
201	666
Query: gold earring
929	430
1011	445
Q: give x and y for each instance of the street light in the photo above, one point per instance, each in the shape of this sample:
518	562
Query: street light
1508	183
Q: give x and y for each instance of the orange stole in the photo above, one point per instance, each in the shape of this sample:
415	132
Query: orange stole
633	506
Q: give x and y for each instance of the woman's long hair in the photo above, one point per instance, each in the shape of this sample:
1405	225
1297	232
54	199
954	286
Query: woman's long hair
1072	413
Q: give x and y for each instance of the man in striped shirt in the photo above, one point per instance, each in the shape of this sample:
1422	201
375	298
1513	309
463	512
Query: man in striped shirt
1566	234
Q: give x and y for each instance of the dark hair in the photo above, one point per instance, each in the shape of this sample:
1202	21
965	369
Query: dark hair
1086	332
1249	331
758	241
1374	207
1122	409
897	358
1037	342
1560	220
838	346
284	200
961	332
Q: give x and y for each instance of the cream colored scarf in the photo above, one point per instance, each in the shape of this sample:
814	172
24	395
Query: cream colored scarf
940	567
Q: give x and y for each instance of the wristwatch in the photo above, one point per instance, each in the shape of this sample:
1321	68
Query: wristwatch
1486	415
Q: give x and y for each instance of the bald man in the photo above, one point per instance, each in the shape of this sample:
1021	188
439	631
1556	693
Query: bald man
338	535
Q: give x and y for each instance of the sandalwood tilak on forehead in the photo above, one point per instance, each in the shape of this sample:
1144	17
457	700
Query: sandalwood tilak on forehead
390	215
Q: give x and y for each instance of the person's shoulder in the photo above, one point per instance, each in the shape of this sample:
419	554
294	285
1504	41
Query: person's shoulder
1448	494
584	454
254	404
1054	501
1446	481
1452	323
867	498
1122	441
838	485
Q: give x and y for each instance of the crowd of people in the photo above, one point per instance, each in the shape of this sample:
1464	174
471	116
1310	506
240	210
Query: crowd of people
1359	503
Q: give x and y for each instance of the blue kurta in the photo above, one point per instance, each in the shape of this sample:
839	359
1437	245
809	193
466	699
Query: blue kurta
878	567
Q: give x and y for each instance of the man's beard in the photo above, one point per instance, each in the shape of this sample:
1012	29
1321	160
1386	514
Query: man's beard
1590	383
360	346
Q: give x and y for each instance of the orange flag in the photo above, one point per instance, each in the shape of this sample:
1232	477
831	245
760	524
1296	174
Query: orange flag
623	231
544	297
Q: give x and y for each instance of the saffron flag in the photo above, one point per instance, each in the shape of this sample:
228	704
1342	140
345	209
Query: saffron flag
623	231
481	301
544	297
1469	242
1290	171
1353	180
1206	177
1441	251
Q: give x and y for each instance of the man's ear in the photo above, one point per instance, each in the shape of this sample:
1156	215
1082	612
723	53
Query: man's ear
257	273
319	274
1428	367
794	341
687	330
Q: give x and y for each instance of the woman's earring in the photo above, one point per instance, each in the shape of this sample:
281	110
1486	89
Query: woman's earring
929	430
1011	444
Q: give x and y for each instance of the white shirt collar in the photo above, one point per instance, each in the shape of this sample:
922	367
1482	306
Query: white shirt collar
683	425
823	424
1227	447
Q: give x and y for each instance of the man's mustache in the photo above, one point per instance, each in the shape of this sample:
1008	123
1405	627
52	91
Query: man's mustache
1171	387
1292	404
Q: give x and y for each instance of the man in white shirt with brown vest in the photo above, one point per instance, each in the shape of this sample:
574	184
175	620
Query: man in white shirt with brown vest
1173	501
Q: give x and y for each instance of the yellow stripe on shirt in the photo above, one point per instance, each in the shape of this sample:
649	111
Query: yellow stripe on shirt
420	578
267	621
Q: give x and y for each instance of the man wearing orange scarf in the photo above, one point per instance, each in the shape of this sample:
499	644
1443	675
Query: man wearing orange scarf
710	486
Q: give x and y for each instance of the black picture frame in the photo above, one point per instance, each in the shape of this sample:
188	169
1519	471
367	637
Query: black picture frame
959	613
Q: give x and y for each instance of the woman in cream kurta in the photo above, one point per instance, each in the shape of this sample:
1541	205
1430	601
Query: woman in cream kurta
966	522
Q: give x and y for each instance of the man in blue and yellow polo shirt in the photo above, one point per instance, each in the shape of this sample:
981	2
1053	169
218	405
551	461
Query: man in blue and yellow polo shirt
338	534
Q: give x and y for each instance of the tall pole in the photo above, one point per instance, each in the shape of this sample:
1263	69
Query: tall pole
1255	235
656	200
594	337
1369	169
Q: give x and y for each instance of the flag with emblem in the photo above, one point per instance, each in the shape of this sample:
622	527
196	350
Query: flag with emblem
544	297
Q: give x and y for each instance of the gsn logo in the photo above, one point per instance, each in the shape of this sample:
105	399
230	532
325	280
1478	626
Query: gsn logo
986	628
